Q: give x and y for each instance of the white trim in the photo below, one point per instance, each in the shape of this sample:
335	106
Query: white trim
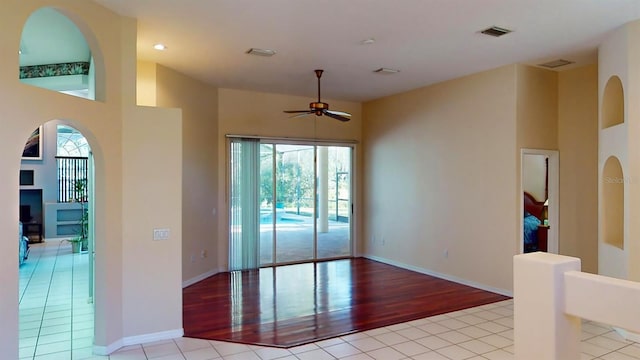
138	339
627	335
554	198
147	338
200	277
284	140
441	276
59	83
106	350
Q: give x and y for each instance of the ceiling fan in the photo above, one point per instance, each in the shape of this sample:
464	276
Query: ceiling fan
320	108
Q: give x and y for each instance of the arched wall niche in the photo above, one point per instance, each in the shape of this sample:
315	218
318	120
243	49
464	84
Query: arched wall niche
59	52
99	68
613	103
613	183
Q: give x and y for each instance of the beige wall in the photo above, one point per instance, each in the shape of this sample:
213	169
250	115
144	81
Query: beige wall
632	174
578	144
537	128
146	84
440	178
619	55
112	39
255	113
614	60
151	137
199	104
537	108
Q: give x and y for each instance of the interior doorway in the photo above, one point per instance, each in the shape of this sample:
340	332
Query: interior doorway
56	311
539	200
294	199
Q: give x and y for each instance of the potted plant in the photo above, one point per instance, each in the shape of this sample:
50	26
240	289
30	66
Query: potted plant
81	240
76	244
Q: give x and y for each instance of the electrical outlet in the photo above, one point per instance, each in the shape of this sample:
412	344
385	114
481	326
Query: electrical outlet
161	234
203	254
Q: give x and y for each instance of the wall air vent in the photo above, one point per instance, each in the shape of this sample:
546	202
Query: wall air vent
495	31
556	63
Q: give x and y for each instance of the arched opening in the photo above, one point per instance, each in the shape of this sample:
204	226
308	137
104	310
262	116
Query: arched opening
65	28
613	203
56	312
55	55
613	103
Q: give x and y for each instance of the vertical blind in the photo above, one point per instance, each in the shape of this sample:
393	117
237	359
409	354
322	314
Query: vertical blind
244	204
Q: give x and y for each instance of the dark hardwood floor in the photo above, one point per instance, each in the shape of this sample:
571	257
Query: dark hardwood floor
296	304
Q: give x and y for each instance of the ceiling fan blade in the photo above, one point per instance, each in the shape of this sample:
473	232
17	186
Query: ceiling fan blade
296	111
303	114
335	116
341	113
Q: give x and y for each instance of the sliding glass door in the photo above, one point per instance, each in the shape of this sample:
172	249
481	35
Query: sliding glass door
301	203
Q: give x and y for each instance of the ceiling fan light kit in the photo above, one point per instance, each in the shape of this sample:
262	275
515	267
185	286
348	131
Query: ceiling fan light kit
320	108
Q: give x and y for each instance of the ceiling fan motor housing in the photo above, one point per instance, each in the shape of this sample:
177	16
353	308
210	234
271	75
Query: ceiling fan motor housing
318	107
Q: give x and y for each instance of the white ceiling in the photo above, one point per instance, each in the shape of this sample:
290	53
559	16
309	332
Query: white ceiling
427	40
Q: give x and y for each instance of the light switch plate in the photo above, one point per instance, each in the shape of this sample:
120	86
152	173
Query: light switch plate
161	234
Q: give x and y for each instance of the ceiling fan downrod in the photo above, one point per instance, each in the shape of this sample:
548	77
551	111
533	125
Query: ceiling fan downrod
319	75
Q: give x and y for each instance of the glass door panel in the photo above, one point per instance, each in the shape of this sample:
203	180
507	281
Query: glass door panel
295	198
334	202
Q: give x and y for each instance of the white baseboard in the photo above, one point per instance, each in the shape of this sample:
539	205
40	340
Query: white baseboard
106	350
138	339
442	276
200	277
147	338
628	335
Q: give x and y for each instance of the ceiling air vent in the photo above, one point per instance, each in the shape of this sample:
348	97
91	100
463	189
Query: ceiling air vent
556	63
386	71
261	52
495	31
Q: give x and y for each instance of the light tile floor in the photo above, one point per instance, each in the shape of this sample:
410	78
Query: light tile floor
484	332
56	318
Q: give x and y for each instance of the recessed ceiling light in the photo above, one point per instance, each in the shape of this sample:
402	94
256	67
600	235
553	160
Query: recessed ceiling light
261	52
495	31
160	47
368	41
386	71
